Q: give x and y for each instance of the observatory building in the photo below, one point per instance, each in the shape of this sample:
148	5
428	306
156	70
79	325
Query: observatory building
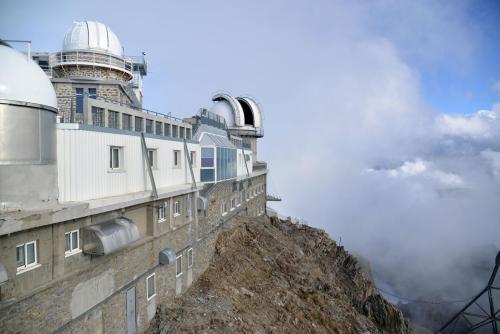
108	209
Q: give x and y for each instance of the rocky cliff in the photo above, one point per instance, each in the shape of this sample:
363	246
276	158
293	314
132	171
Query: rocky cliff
273	276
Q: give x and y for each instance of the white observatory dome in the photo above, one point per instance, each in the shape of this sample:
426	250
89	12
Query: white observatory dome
224	109
92	36
23	80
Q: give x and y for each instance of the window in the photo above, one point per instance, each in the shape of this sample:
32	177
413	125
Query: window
207	172
161	212
174	131
239	200
79	100
138	124
115	157
192	156
127	121
224	208
189	206
207	157
159	128
151	286
181	132
92	93
178	266
233	204
166	129
177	158
177	208
152	158
113	119
72	242
26	255
149	126
226	163
190	257
207	175
98	116
188	133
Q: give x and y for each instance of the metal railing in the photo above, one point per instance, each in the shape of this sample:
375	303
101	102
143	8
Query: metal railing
90	58
70	100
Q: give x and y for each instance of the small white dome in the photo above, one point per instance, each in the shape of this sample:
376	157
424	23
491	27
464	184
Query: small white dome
224	109
94	36
23	80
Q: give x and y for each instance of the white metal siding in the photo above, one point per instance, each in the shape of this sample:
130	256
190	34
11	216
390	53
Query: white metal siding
83	164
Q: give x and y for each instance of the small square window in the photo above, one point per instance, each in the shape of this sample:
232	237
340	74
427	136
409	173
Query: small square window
161	212
151	286
152	158
193	158
177	208
177	158
115	157
178	266
26	255
71	242
190	257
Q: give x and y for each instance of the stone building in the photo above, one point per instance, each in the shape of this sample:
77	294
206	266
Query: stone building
108	209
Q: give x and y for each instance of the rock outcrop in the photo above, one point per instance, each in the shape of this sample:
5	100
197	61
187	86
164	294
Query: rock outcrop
273	276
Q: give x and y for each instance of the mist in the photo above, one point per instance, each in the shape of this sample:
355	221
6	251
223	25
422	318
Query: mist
352	140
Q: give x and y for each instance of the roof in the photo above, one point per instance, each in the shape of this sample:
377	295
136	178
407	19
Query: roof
92	36
22	80
208	139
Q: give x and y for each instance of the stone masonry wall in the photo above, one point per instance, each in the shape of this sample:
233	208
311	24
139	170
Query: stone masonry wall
92	298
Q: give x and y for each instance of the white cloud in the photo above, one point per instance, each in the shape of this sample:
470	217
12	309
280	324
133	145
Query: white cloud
424	172
477	125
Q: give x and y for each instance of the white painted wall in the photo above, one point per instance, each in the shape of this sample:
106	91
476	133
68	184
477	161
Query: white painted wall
83	164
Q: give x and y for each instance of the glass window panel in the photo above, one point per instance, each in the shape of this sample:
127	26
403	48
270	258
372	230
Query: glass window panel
20	255
92	93
151	286
178	266
149	126
30	253
79	100
207	175
74	240
190	258
67	246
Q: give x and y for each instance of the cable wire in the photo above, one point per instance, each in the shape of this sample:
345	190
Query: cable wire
421	301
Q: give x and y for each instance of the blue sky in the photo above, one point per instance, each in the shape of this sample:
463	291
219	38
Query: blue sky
372	129
179	37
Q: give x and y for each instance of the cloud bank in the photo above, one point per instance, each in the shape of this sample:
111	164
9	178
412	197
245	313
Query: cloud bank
413	190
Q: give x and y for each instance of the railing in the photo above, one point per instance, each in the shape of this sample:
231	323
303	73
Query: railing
90	58
209	118
82	109
71	100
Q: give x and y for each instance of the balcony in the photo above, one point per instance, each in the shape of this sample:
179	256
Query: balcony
92	58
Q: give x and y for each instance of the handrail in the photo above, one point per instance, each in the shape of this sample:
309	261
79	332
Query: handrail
131	106
90	57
